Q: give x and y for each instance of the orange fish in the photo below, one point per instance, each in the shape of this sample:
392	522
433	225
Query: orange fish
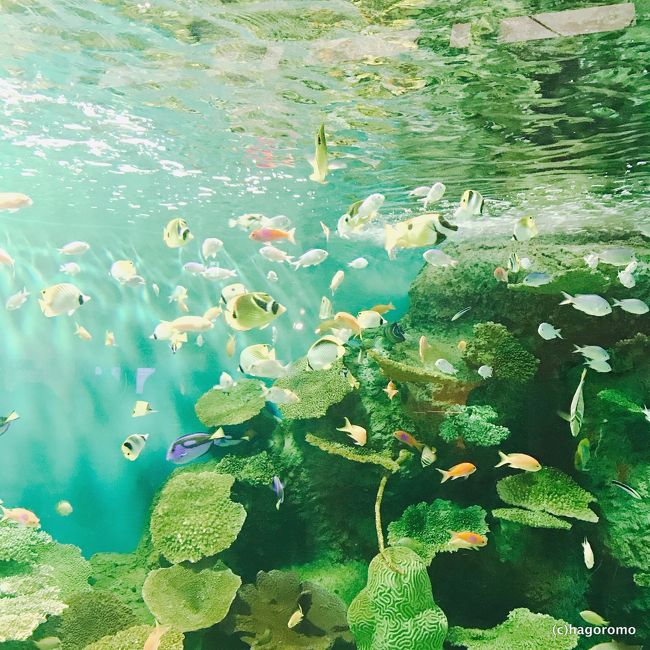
467	539
462	470
21	516
390	390
382	309
154	639
408	439
500	274
273	234
462	346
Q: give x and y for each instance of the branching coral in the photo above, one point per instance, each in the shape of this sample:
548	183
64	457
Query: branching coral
70	570
233	406
534	519
134	638
317	390
522	630
257	469
396	609
261	612
195	517
548	490
356	454
189	599
425	527
474	425
21	543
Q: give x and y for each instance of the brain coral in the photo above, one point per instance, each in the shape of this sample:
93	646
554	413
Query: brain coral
134	638
549	490
220	407
195	517
397	610
189	599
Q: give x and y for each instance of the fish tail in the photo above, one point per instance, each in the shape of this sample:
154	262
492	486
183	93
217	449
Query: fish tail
232	223
390	238
559	335
219	433
567	298
10	418
291	235
616	303
445	474
295	265
504	459
576	349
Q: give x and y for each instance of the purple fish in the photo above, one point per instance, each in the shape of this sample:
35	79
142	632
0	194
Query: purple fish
189	447
278	488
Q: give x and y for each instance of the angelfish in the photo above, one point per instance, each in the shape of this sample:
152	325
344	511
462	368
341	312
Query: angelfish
577	413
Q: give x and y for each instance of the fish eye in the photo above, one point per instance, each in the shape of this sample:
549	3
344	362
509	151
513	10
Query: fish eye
81	300
185	234
274	307
410	226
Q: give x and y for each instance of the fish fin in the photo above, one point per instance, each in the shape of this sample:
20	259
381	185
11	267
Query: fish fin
291	235
567	298
10	418
219	433
504	459
277	505
46	309
145	436
445	474
616	303
390	238
564	415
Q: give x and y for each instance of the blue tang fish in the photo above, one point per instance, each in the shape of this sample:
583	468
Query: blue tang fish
191	446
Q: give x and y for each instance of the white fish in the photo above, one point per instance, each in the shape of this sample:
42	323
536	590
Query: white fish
7	260
525	263
82	332
60	299
599	365
436	257
337	280
270	369
135	281
537	279
274	254
324	352
312	257
184	324
589	303
358	263
471	204
369	208
444	366
215	273
156	289
248	221
459	314
179	295
632	306
325	311
591	260
70	268
17	300
434	193
252	354
485	372
225	382
109	339
194	268
593	352
74	248
279	395
588	554
200	341
525	229
577	412
123	271
272	276
617	256
626	279
14	201
548	332
211	247
369	319
64	508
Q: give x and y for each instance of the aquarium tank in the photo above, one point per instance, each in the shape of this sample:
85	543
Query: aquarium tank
324	325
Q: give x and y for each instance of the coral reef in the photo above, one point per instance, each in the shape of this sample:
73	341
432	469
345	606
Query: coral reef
355	454
535	519
134	638
474	425
235	405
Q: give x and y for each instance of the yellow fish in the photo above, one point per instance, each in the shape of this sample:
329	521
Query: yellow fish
390	390
296	617
319	162
231	345
412	233
519	461
141	409
255	310
467	539
357	433
82	332
109	340
177	233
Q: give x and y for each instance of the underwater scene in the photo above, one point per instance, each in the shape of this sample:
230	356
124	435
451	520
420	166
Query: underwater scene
325	325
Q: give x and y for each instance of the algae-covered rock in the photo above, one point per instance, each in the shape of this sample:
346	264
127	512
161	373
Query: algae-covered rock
195	517
474	425
425	527
534	519
548	490
219	407
261	612
317	390
189	599
396	609
522	630
135	637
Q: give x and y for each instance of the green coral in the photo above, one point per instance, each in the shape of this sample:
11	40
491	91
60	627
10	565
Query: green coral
235	405
425	527
70	569
317	390
261	612
534	519
475	425
91	616
190	599
195	517
396	609
619	402
493	345
134	638
548	490
257	469
21	543
522	630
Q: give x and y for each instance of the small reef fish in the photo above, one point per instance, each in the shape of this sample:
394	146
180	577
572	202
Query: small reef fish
5	421
429	194
462	345
525	229
485	372
225	382
428	456
319	161
61	299
326	231
408	439
413	233
251	221
368	319
582	455
217	274
357	433
212	313
191	446
445	367
272	276
312	257
593	352
525	263
82	332
519	461
200	341
70	268
155	637
598	365
123	271
132	447
273	234
459	314
14	201
467	539
591	260
74	248
64	508
592	618
274	254
210	247
358	263
632	306
231	344
462	470
514	263
179	296
255	310
295	618
48	643
20	516
269	368
537	279
424	349
590	303
194	268
626	277
17	300
390	390
7	260
500	274
436	257
337	281
141	409
626	488
325	310
184	324
393	333
279	395
577	412
616	256
588	554
324	352
548	332
471	204
109	339
278	488
231	291
177	233
383	309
